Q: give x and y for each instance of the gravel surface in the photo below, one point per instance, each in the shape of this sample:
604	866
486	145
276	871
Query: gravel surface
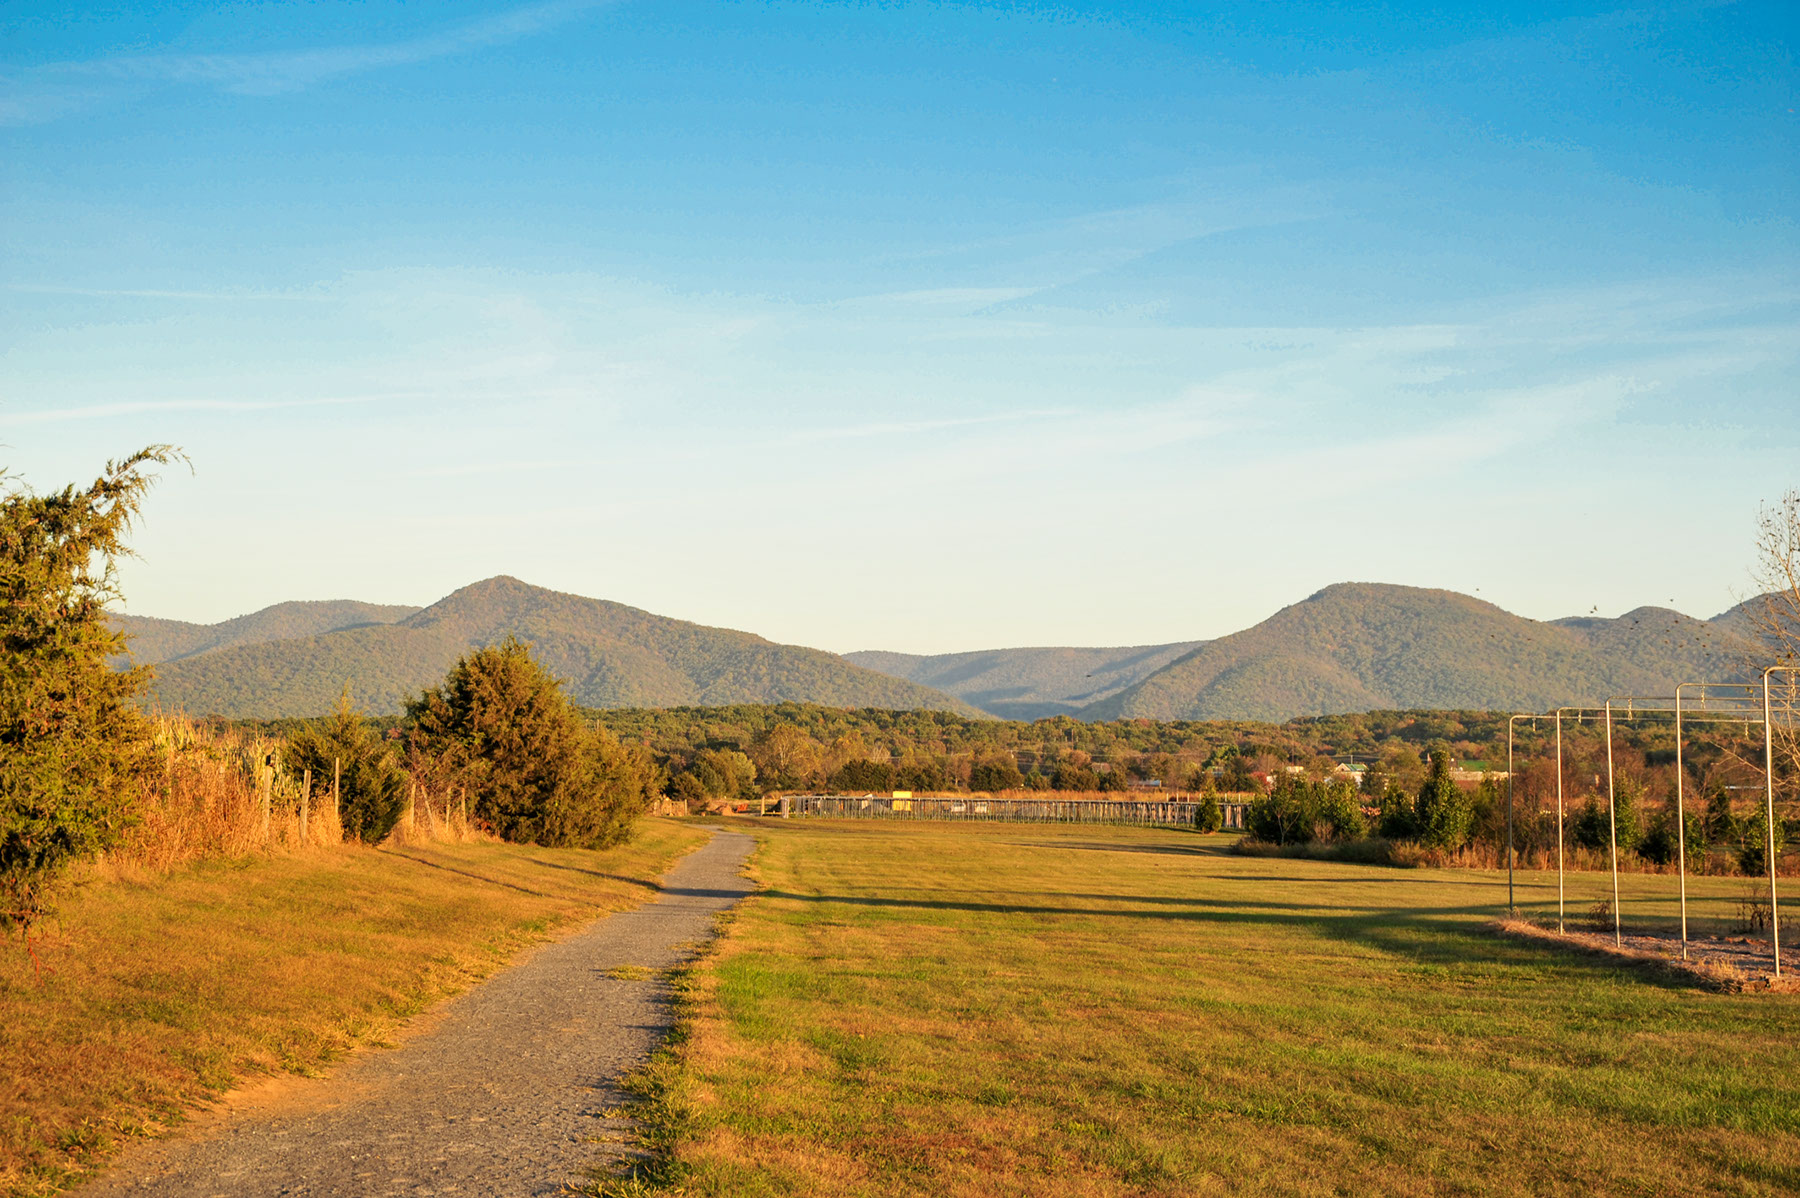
511	1092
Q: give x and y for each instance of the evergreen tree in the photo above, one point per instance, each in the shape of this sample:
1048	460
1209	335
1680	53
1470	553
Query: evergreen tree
1753	849
372	787
500	726
1721	824
72	744
1444	813
1208	815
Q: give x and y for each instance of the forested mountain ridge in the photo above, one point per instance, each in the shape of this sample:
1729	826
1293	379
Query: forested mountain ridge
1366	646
1028	684
152	640
610	655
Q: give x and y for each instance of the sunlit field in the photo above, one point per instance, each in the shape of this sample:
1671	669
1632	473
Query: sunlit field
1003	1009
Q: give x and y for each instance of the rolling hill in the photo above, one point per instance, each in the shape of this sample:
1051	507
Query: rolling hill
1028	684
1361	646
610	655
153	640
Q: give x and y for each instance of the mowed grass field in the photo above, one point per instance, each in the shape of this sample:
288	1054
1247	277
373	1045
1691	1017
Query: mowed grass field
159	993
983	1009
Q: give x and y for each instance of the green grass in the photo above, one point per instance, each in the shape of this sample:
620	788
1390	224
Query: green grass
1003	1009
159	993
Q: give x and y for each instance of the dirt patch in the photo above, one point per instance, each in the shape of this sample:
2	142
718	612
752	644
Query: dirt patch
1729	964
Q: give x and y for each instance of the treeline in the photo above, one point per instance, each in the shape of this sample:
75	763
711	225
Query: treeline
1722	825
743	751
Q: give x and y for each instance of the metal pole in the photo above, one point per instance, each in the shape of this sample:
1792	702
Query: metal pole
1681	824
1511	907
1769	811
1612	827
1559	823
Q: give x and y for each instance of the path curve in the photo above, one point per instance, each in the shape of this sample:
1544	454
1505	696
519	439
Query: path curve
509	1094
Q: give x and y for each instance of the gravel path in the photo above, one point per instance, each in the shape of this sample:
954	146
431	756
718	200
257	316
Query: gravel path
510	1093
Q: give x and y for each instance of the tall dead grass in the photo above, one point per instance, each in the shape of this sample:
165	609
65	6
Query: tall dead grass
224	793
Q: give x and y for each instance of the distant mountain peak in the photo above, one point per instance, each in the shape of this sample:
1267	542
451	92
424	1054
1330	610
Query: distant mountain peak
610	655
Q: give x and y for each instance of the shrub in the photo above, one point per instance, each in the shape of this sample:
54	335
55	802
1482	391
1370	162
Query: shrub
1283	816
1399	819
1593	829
500	726
863	775
1588	827
1339	806
372	787
922	775
1721	824
1074	777
998	773
1660	845
1753	850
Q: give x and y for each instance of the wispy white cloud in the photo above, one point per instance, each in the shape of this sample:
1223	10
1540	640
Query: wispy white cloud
231	296
46	93
112	411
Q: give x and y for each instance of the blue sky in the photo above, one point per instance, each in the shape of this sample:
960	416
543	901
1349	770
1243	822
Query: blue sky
909	326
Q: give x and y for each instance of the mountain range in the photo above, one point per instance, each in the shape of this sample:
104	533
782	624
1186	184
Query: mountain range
1350	647
609	655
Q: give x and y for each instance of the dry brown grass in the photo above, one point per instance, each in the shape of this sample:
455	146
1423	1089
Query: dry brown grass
222	793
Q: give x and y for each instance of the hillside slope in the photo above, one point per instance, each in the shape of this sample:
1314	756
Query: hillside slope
1360	646
1028	684
152	640
609	654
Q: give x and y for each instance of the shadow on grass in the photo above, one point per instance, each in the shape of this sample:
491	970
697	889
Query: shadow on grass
1433	935
594	873
468	874
1088	846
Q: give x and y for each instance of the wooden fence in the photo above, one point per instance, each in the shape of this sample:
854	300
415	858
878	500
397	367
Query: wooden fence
1146	812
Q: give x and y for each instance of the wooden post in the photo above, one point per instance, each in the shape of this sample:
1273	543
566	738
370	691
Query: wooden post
337	779
265	783
305	802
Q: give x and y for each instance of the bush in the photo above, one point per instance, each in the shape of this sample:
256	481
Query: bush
1283	816
500	727
1399	819
1339	807
1588	827
922	775
1721	824
372	788
1594	829
999	773
863	775
1660	845
1753	851
1074	777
